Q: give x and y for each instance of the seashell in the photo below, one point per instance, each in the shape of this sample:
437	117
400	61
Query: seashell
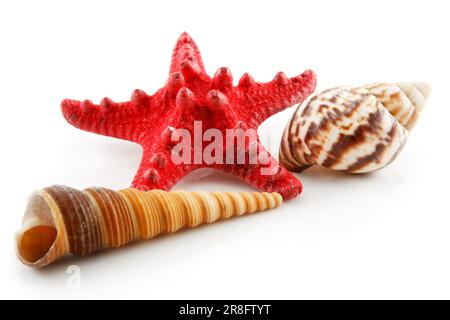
60	220
352	129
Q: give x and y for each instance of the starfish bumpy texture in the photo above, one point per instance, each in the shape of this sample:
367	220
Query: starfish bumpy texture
190	95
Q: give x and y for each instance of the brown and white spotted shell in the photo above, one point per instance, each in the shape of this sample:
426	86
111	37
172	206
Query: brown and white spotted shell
60	220
352	129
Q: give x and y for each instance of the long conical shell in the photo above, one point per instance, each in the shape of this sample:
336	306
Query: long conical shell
60	220
354	130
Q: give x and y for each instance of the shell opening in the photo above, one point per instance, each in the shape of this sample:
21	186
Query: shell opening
38	233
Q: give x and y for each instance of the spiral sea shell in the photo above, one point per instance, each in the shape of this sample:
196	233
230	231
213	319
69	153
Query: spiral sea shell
352	129
60	220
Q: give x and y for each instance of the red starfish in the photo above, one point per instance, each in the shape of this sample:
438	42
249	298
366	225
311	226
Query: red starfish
191	95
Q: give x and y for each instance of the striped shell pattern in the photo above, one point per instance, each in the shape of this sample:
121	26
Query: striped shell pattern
352	129
60	220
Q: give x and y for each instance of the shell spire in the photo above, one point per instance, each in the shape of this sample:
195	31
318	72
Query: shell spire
356	130
60	220
403	100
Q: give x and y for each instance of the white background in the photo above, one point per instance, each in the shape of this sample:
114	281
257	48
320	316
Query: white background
383	235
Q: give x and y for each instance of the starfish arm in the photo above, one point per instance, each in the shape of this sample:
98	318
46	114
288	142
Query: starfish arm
266	175
186	58
157	171
108	118
266	99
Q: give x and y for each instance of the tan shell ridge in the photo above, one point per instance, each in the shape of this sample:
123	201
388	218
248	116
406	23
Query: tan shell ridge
60	220
352	129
